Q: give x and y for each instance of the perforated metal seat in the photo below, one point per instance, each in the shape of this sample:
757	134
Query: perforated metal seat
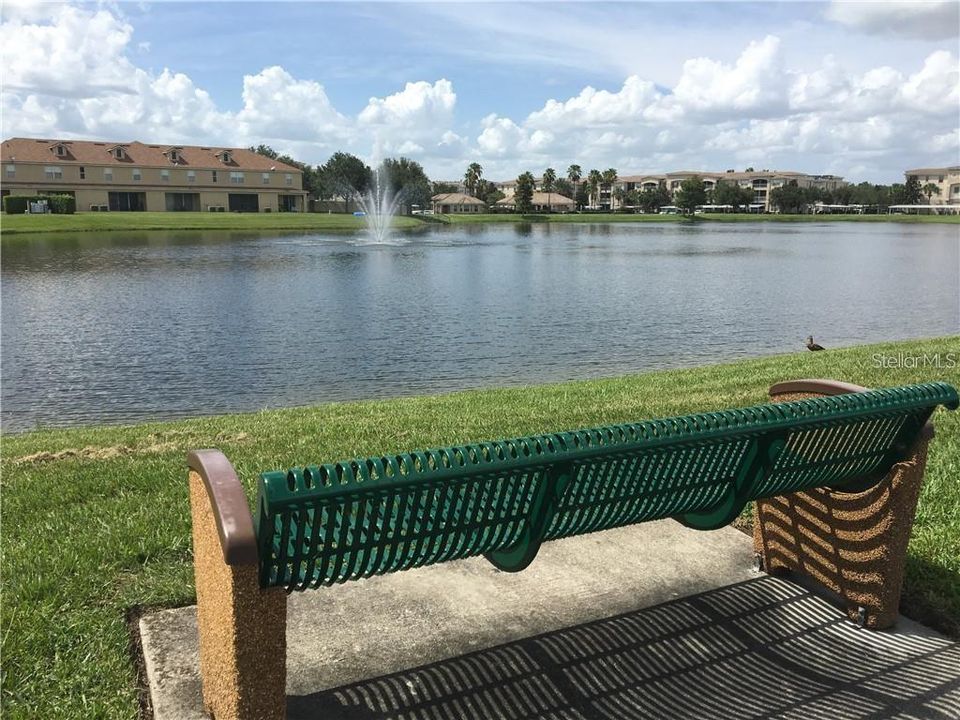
326	524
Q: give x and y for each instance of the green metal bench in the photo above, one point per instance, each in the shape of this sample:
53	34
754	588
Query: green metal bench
325	524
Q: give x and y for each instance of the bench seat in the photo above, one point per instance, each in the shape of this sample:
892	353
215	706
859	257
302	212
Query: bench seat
323	524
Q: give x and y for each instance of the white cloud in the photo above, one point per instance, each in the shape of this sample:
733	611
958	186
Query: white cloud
753	84
936	87
68	72
924	19
418	104
597	108
277	106
64	51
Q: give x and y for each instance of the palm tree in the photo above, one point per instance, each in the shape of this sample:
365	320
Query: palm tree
930	189
609	177
546	184
594	178
471	178
549	178
574	173
619	194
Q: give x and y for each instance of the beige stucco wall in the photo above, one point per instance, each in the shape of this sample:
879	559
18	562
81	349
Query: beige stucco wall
34	173
156	197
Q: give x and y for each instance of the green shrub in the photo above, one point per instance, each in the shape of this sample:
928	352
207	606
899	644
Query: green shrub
62	204
58	204
15	204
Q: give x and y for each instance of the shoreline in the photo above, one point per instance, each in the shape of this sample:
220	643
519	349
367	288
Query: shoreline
19	225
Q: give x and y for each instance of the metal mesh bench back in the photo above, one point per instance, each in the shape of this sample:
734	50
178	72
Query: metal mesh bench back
325	524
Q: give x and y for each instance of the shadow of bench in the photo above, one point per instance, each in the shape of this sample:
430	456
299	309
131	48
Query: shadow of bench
704	656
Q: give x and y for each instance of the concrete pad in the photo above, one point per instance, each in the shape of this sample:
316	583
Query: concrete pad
344	640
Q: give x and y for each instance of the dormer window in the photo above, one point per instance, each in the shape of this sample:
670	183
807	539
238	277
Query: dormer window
60	150
117	152
225	156
173	154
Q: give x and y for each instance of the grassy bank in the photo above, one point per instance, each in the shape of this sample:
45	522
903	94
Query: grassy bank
96	520
14	225
119	221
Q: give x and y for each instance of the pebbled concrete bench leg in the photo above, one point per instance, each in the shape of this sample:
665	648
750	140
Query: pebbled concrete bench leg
854	544
242	627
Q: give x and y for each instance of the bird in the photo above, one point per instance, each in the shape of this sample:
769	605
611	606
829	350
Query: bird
811	345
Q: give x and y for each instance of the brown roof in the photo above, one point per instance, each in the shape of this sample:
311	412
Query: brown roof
457	199
541	198
137	154
654	177
933	171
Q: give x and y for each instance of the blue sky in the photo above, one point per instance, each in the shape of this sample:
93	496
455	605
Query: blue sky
860	89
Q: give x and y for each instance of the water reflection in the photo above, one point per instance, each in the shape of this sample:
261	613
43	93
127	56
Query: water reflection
122	327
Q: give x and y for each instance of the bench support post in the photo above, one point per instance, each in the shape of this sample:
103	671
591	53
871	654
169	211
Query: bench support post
852	543
242	627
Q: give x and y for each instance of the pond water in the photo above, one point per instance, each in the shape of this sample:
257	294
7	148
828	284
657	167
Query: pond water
126	327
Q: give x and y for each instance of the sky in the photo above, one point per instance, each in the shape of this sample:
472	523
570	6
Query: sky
860	89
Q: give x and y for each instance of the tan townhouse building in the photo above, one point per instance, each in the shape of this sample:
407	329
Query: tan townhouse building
134	176
946	179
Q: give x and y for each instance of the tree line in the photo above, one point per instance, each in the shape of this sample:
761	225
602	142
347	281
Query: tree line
345	174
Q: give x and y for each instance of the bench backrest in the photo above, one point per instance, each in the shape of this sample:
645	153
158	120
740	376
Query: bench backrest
325	524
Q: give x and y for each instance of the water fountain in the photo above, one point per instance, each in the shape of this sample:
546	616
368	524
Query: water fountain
379	205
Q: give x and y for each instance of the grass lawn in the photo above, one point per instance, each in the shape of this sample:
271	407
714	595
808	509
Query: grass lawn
96	520
18	225
104	222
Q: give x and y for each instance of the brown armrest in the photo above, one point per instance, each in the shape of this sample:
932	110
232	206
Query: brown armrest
821	387
229	505
831	387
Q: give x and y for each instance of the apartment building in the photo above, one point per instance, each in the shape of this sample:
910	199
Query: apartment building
762	182
134	176
946	179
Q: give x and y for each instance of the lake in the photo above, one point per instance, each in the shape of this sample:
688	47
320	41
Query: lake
122	327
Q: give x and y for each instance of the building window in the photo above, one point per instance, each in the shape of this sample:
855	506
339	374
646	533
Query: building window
165	175
236	178
288	179
61	150
108	174
940	179
83	173
11	172
136	173
118	153
192	176
214	175
266	178
53	172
